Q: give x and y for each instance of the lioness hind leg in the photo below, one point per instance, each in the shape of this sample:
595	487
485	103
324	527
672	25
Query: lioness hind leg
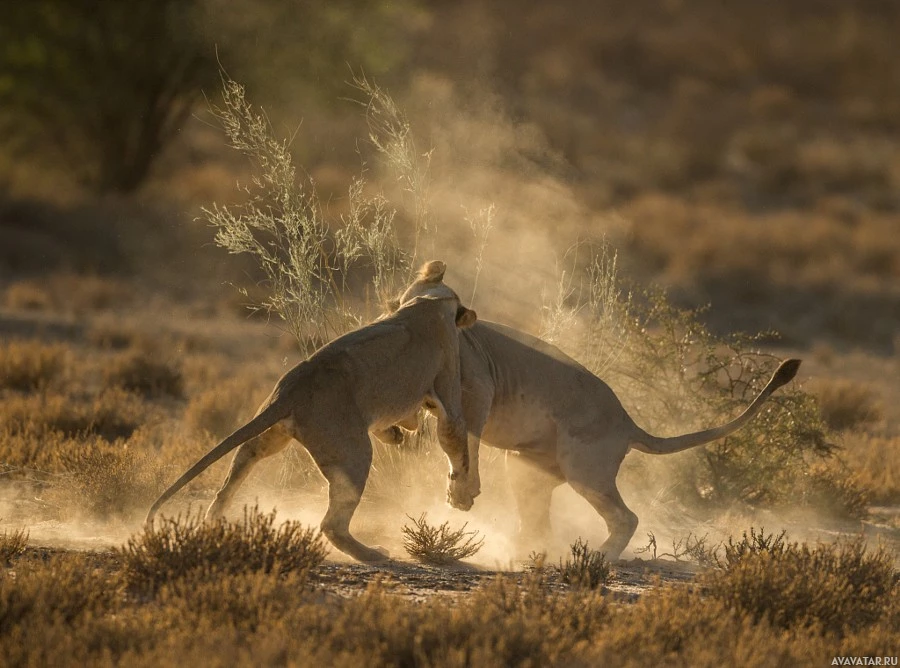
270	442
345	465
620	521
532	483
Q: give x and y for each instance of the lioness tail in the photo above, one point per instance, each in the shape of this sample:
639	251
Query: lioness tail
655	445
272	414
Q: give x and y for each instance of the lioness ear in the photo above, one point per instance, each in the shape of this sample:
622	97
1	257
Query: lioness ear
465	317
432	272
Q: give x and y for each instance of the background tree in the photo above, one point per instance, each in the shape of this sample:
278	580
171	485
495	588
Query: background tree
103	85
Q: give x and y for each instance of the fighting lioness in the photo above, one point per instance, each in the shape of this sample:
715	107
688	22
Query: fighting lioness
522	394
364	380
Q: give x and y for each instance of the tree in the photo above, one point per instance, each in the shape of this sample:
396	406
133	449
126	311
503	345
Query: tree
103	85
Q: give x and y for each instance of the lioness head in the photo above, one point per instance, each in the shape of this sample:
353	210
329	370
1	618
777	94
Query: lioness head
429	284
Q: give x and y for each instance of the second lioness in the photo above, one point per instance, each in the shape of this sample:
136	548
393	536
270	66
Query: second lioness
522	394
364	380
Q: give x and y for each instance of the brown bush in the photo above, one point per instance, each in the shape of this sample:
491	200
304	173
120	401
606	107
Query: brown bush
142	373
439	545
70	610
112	479
835	588
112	414
875	463
12	544
117	337
847	404
27	296
179	547
220	409
29	365
585	567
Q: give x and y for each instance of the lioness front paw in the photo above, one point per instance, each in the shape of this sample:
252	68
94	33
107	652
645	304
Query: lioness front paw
459	495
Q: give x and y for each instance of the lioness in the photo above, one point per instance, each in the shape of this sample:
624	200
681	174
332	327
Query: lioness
522	394
366	379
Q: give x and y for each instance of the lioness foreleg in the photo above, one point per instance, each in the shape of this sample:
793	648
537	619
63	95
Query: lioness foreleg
451	432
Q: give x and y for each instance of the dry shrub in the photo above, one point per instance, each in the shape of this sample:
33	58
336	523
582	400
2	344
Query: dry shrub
110	336
835	488
140	372
220	409
831	588
875	464
248	601
66	612
35	450
81	293
70	293
182	547
847	404
12	544
27	296
112	479
586	568
28	365
48	597
439	545
112	414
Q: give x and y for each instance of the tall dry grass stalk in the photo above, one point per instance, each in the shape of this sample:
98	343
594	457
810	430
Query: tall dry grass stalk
306	256
390	132
590	313
481	223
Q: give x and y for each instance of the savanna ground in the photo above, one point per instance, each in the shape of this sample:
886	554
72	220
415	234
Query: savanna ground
745	160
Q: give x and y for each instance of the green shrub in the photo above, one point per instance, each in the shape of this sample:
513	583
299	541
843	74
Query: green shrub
176	548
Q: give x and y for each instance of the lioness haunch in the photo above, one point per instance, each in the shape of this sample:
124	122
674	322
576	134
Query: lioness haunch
522	394
365	380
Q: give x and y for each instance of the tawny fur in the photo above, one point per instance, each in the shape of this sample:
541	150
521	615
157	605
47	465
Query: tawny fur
566	425
365	380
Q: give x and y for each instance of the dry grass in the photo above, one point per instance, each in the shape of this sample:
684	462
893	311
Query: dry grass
835	589
846	405
144	373
112	479
26	295
875	461
29	365
111	414
71	610
189	547
220	409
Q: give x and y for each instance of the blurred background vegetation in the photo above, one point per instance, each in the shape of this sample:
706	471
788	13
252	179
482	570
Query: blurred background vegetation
740	153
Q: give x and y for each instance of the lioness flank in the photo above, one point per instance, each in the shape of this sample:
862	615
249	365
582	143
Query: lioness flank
522	394
365	380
